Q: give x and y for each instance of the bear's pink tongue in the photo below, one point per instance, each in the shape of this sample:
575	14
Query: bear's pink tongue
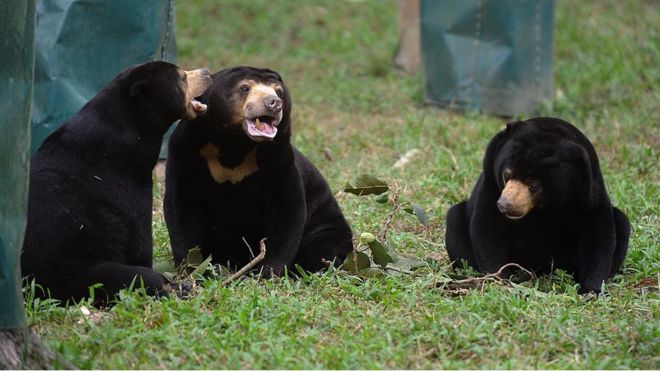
260	129
264	127
198	106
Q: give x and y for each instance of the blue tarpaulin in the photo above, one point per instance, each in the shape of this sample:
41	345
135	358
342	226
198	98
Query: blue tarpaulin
83	44
488	55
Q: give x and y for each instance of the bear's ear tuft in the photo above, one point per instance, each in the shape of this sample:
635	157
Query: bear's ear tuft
277	75
512	125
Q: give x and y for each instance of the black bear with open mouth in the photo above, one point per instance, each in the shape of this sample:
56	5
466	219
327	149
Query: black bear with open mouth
540	202
233	178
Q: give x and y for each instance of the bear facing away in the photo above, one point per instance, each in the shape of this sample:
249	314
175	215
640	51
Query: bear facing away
233	178
90	191
540	202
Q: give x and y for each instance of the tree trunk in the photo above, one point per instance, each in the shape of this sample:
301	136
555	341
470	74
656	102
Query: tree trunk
22	349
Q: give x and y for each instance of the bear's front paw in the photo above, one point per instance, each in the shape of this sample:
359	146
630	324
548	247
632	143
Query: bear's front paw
587	289
180	289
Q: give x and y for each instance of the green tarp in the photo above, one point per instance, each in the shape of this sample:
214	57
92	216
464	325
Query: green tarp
83	44
488	55
17	20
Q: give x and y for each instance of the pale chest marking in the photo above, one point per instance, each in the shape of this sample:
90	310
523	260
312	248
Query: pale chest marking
223	174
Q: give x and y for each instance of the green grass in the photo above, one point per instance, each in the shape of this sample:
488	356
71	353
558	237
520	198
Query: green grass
336	58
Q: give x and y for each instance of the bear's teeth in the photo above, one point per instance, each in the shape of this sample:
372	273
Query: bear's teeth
198	106
258	124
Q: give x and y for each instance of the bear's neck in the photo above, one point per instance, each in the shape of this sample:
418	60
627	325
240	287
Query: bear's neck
233	148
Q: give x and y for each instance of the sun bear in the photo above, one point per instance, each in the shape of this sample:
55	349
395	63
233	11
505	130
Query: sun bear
540	202
90	191
233	177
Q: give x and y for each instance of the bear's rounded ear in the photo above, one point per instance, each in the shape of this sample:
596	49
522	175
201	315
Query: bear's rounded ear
277	74
512	125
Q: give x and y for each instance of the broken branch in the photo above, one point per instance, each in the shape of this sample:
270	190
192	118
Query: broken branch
250	265
461	286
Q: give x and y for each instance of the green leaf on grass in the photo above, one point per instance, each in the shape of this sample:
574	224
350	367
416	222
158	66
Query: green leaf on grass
420	214
196	265
380	254
355	263
408	264
194	257
383	198
366	237
370	273
201	269
163	266
366	184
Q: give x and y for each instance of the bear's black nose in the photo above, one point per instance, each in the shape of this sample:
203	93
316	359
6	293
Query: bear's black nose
504	205
273	102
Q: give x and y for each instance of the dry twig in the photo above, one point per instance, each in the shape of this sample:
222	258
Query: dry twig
458	287
250	265
389	267
388	221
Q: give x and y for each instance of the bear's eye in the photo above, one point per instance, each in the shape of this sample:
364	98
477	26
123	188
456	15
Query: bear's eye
245	88
279	92
534	186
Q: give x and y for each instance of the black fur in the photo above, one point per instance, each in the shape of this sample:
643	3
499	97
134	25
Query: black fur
286	201
572	226
90	192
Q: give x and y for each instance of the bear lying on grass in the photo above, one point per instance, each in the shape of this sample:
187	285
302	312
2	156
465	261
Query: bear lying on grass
540	202
233	178
90	193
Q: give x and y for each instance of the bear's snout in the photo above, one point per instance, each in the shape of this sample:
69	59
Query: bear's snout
516	200
273	103
504	205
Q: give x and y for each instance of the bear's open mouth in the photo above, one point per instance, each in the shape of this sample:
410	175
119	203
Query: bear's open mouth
198	106
261	127
514	216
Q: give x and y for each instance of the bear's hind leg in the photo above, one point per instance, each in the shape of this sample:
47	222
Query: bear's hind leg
457	236
115	277
622	226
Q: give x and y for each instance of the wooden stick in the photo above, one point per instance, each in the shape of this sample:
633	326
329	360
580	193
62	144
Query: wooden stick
250	265
479	281
390	216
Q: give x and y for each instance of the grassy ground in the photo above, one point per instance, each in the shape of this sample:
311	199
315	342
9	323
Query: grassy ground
336	58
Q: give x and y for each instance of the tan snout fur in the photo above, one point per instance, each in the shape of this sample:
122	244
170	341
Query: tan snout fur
254	101
253	104
197	83
518	195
